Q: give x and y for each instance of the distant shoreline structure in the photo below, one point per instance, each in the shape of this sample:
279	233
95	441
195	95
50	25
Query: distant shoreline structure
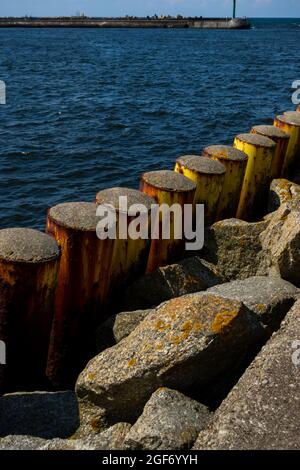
126	22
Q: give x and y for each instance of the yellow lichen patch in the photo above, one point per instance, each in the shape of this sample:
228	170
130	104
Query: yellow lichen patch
132	362
223	320
159	346
187	326
191	325
261	307
91	377
161	325
180	338
197	326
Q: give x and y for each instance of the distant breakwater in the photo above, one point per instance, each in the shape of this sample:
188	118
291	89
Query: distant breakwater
84	22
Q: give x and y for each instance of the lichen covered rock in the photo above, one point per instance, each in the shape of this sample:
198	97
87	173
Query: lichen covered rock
281	242
20	442
234	246
268	297
184	344
111	439
262	410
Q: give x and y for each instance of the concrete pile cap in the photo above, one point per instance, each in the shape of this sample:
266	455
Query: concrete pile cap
25	245
111	196
271	131
79	216
225	152
203	165
291	117
167	180
294	115
256	140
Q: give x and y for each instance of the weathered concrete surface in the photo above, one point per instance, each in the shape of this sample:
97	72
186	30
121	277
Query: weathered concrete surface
269	297
41	414
189	276
112	197
170	421
184	344
234	247
118	327
263	409
25	245
75	215
168	180
111	439
281	242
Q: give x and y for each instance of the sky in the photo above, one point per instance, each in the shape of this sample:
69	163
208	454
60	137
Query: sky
250	8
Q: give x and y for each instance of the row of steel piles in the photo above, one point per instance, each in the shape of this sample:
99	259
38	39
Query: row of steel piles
241	188
56	288
60	296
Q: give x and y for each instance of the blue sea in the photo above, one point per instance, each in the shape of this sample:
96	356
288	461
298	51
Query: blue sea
93	109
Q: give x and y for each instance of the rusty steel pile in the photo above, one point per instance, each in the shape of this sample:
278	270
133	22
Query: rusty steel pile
57	287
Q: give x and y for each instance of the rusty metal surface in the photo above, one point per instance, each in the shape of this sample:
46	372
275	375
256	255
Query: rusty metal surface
92	272
254	194
281	139
129	259
167	187
27	314
290	123
81	291
209	176
235	162
5	301
28	272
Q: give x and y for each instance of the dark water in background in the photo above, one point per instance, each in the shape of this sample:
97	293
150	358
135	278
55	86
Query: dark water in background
90	109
